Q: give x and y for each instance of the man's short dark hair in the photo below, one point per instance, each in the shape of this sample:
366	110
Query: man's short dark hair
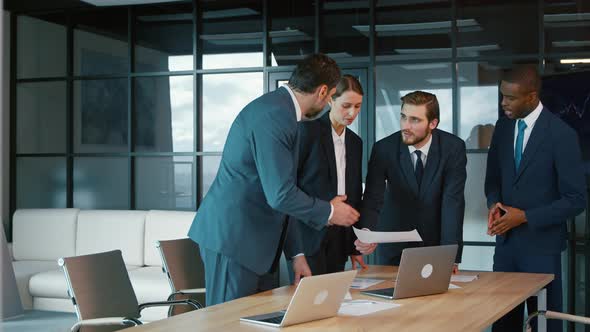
313	71
527	76
419	98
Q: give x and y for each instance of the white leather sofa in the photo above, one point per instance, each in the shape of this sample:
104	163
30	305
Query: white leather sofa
42	236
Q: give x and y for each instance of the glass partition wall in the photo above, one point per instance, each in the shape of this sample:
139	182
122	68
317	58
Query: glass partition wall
128	107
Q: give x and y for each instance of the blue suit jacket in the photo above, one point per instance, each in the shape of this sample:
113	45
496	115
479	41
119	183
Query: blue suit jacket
243	214
549	185
316	175
393	201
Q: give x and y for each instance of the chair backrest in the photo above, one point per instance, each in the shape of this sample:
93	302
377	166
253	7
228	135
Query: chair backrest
100	287
181	259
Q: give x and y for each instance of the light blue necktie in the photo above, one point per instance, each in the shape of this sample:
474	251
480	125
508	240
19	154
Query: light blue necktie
518	145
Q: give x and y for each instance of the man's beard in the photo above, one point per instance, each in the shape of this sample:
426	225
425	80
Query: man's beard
413	140
313	113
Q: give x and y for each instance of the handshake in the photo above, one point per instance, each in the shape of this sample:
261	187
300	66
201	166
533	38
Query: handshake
344	214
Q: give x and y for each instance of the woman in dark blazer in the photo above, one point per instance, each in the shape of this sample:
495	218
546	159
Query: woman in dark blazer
330	164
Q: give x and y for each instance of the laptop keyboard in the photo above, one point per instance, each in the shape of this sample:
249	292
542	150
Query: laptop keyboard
273	320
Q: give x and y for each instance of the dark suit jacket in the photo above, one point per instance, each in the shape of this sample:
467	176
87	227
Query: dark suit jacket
243	214
549	185
317	177
393	202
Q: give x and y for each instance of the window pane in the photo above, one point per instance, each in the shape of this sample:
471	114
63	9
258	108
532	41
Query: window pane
231	34
497	27
165	183
475	224
101	183
40	182
478	102
100	42
477	258
292	30
164	37
342	39
210	168
411	30
395	81
41	46
41	117
224	96
567	26
100	116
164	114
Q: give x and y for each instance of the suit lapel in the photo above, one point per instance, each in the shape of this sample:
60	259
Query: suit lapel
532	145
406	166
432	161
328	146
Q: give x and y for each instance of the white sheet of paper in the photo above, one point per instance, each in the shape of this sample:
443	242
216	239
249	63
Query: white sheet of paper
452	286
463	278
386	237
348	296
364	307
362	283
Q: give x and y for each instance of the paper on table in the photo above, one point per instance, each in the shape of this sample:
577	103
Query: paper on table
463	278
364	307
348	296
362	283
452	286
367	236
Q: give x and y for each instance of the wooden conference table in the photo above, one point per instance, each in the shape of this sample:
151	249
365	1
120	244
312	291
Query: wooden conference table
472	308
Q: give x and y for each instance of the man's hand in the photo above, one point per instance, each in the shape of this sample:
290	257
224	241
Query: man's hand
455	268
300	269
344	214
513	217
354	259
493	215
365	248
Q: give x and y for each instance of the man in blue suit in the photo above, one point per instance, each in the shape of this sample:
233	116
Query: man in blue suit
534	183
416	180
241	223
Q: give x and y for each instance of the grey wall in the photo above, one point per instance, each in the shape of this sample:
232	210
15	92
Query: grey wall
4	115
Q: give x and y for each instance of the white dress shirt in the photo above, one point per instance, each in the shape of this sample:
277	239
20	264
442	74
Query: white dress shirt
295	102
424	151
340	154
530	123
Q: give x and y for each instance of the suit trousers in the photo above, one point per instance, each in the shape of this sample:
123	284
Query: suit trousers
514	261
226	280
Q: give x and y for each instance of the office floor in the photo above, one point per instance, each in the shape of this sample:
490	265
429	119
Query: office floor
35	321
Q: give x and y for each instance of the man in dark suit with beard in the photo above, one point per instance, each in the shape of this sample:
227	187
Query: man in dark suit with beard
416	180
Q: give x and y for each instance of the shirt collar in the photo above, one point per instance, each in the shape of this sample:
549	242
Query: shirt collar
533	116
423	149
335	135
295	102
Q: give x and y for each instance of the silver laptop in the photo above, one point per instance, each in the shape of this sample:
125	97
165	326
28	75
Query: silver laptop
422	271
316	297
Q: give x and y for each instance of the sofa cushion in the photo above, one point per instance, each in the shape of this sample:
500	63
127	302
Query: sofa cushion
23	271
104	230
52	284
44	234
53	304
164	225
150	284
